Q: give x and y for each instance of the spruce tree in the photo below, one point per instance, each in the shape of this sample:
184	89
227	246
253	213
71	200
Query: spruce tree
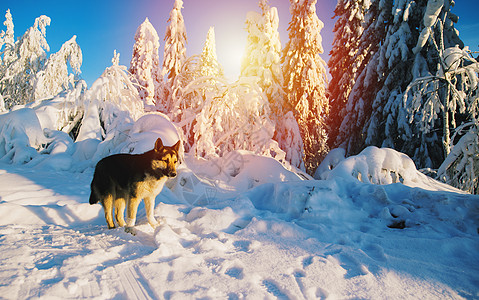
357	110
262	60
22	61
209	65
26	73
263	51
413	47
305	80
346	59
174	54
145	65
7	42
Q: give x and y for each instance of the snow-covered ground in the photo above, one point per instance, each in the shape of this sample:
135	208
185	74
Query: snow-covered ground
232	227
244	227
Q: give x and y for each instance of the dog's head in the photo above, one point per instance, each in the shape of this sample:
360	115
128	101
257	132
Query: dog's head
165	158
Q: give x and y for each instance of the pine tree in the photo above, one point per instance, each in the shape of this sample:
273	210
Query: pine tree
145	65
346	58
413	47
442	102
263	52
305	80
7	42
356	113
209	65
394	61
200	76
175	49
21	63
262	60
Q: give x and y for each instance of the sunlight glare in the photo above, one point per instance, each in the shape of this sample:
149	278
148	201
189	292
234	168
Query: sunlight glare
230	46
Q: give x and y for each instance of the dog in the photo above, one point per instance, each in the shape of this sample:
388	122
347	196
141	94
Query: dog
122	180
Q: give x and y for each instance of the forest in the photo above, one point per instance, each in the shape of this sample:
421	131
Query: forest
400	78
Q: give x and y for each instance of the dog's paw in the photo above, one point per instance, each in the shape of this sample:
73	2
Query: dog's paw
154	224
130	230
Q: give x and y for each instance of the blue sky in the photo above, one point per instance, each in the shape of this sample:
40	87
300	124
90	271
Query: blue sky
105	25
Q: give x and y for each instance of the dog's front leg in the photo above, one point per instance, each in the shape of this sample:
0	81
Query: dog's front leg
150	207
131	210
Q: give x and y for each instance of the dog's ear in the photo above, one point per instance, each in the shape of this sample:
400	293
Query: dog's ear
158	144
176	146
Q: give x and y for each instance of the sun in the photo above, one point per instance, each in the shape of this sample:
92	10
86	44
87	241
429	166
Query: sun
230	46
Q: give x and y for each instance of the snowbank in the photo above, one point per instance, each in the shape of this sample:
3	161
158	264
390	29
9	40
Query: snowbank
20	136
378	166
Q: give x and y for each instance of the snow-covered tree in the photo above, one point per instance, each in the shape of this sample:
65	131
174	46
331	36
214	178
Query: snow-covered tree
55	76
209	65
346	59
174	54
408	53
356	113
409	36
7	42
234	116
305	80
18	71
113	104
184	104
217	117
26	74
461	167
262	59
451	98
199	76
447	97
145	62
394	66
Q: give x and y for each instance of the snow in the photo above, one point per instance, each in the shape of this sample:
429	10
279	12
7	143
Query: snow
236	226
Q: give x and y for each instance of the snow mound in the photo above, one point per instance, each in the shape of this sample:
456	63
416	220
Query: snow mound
332	159
203	182
383	166
147	129
20	136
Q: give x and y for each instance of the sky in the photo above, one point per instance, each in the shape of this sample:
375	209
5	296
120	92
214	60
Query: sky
103	26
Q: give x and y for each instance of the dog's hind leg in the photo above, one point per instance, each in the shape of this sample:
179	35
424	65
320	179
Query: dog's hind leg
119	211
108	208
149	207
131	209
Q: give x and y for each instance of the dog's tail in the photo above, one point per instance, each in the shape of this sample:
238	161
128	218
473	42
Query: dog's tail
93	199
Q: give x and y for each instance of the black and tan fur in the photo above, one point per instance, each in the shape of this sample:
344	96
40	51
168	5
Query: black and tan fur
122	180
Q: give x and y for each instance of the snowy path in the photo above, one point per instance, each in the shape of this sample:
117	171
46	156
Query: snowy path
54	244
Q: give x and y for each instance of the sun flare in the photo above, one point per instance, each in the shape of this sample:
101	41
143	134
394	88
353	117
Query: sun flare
230	46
